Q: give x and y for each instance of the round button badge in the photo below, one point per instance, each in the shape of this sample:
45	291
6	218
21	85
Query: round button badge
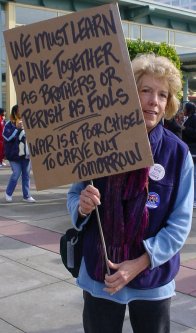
153	200
157	172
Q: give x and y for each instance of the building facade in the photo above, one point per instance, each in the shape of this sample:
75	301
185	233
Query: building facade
140	20
189	4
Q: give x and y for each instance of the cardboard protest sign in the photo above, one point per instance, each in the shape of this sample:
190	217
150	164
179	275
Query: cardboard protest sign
78	98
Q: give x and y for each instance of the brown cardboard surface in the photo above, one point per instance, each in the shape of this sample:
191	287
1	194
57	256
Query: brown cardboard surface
78	98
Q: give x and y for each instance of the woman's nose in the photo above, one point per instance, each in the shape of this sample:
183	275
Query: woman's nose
153	100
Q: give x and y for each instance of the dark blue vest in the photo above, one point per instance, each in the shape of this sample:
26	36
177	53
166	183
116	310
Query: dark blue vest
170	152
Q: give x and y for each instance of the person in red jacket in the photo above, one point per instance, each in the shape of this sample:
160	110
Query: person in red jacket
2	124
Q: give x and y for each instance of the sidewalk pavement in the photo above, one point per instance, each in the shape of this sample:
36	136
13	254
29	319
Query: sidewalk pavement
37	294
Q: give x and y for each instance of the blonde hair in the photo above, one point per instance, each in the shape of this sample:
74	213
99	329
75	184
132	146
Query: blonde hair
163	68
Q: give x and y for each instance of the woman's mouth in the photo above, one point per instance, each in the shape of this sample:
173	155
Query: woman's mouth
153	113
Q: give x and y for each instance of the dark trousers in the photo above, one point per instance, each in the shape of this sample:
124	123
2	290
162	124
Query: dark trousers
100	315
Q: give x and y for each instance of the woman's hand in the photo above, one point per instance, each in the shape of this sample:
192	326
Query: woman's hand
89	199
125	272
20	125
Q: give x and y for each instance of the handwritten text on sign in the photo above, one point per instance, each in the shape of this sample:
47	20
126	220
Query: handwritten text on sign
78	98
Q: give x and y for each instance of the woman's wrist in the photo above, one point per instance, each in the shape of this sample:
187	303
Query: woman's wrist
81	213
144	262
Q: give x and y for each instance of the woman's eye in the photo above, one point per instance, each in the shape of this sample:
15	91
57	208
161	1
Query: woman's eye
145	90
163	95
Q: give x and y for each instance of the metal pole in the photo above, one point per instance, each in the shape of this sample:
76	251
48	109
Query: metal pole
102	237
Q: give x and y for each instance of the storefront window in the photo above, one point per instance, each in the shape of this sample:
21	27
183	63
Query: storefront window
135	31
131	31
185	3
125	27
28	15
183	50
176	3
171	37
186	40
154	34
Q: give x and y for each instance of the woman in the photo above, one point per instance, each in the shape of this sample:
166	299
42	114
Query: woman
16	152
146	217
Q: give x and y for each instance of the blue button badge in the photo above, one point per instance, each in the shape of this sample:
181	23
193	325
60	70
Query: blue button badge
153	200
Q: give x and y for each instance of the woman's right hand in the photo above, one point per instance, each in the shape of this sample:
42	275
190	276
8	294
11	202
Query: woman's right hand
89	199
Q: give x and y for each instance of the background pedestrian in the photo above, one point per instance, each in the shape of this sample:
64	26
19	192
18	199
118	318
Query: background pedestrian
16	152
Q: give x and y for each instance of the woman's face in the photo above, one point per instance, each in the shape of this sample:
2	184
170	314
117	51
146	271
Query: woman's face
153	94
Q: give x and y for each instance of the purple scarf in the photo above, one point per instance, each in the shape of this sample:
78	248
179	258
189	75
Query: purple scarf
125	218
